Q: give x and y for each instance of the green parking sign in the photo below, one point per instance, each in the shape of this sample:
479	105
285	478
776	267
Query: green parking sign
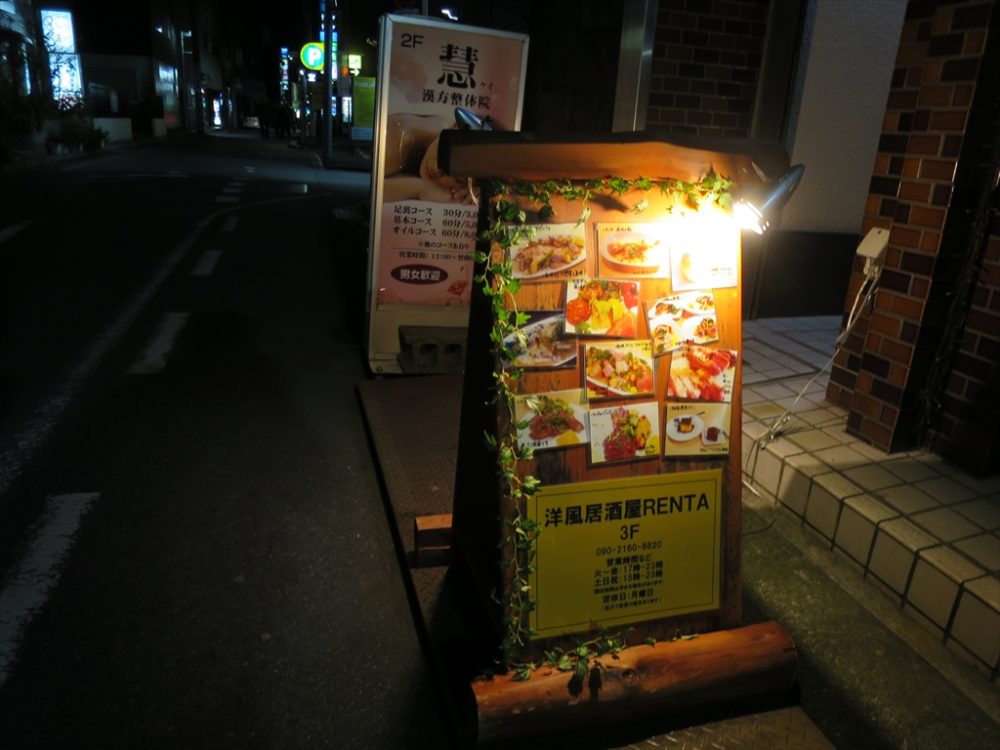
312	55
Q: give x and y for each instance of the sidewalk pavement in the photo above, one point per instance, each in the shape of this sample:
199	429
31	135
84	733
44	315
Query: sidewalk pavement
909	638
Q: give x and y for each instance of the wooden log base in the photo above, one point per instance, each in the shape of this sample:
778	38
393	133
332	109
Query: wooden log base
432	531
432	540
709	668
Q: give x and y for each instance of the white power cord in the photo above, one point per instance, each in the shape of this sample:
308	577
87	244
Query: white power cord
872	249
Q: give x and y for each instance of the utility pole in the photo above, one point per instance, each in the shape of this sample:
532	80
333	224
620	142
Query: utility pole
330	67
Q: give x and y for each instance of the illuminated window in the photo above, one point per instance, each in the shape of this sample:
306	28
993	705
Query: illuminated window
57	30
64	63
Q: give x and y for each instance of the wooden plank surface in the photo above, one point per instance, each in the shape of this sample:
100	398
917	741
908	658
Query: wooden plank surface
537	157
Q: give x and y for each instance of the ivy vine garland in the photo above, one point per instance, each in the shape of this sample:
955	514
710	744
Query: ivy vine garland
508	228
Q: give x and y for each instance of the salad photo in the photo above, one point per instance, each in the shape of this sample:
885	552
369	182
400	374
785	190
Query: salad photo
602	307
621	369
552	252
624	433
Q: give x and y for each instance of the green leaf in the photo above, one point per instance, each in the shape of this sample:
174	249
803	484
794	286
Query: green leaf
650	641
565	664
522	673
618	185
580	669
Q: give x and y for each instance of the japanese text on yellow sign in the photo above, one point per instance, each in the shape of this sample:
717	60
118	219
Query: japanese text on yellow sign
628	550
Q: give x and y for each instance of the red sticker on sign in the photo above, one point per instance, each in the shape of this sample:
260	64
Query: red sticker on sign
419	274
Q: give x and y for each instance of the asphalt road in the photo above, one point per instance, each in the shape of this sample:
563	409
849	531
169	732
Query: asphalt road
195	551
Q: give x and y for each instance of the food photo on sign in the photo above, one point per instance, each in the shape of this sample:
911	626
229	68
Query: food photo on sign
625	433
542	342
557	419
554	251
702	374
633	250
697	429
602	307
704	253
618	369
679	319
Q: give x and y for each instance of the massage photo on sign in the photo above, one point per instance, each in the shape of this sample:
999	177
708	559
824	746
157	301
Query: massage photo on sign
411	168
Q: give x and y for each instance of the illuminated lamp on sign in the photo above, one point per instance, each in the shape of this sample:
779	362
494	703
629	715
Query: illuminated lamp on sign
312	55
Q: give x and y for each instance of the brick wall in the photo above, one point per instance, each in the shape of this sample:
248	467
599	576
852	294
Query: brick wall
901	381
706	57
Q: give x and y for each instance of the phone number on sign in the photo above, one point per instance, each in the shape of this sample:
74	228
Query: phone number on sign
621	549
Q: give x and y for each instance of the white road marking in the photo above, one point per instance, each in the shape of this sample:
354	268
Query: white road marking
7	232
206	263
250	170
87	162
18	450
300	188
232	190
38	571
154	358
226	198
230	223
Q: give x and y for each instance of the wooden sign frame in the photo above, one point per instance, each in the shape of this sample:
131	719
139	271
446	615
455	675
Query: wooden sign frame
479	501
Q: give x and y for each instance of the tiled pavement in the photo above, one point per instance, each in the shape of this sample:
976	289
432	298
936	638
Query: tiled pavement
917	527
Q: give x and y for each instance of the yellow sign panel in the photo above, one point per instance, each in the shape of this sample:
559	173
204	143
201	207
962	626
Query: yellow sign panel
620	551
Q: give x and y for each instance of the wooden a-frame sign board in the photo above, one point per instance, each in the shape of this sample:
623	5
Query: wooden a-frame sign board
652	542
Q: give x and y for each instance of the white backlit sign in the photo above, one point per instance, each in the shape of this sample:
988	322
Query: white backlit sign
64	63
57	29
